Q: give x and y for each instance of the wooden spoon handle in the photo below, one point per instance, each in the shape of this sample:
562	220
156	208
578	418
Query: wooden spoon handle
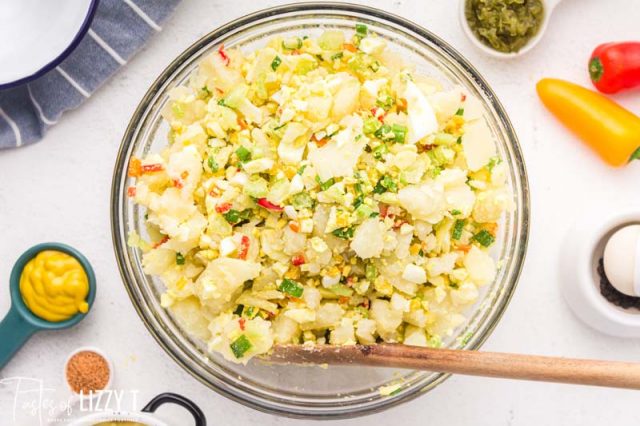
474	363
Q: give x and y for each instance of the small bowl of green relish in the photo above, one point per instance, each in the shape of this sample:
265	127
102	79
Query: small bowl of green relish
505	28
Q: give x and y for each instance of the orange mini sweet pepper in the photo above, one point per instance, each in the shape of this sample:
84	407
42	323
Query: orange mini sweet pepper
610	130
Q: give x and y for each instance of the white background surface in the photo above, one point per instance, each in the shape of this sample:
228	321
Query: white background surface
59	190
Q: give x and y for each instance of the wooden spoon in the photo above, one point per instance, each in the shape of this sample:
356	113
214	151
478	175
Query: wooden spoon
487	364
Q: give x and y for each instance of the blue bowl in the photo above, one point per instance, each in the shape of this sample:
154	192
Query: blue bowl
20	323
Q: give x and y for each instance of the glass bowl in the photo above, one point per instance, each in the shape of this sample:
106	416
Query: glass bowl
310	391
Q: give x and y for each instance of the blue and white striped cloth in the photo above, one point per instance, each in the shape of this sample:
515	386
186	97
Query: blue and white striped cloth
118	30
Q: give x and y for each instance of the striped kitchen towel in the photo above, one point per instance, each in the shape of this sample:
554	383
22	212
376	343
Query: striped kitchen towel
118	30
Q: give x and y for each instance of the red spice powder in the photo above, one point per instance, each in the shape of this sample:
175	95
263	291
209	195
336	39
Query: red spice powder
87	372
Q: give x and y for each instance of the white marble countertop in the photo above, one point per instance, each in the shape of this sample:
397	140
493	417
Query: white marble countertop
58	190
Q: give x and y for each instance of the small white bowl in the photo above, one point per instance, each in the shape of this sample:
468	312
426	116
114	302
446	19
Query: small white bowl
97	351
549	6
580	282
39	34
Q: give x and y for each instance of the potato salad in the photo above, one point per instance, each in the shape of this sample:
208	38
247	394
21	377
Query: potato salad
319	190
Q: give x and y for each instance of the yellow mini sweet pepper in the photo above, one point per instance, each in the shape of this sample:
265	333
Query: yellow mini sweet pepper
610	130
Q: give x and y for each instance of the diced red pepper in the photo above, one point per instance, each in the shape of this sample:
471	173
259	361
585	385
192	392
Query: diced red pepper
343	300
161	242
151	168
365	304
241	323
242	123
177	183
298	260
131	191
223	207
223	55
294	226
135	167
463	97
320	142
378	113
350	47
384	210
398	223
464	247
244	247
263	202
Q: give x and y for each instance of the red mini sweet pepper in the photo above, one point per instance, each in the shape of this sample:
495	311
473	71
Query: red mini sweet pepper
615	66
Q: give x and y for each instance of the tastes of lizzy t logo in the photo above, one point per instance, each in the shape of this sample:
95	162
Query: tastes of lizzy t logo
26	401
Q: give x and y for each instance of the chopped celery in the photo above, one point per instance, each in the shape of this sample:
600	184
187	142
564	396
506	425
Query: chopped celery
362	30
331	40
460	111
484	238
364	211
243	154
236	96
276	63
302	200
371	125
384	133
440	155
358	201
326	184
444	139
344	233
213	165
292	43
235	217
179	259
399	133
305	64
338	55
385	101
257	187
458	227
385	183
379	151
291	287
493	162
370	272
341	290
240	346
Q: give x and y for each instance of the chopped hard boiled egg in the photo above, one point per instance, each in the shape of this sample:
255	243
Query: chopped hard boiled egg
318	191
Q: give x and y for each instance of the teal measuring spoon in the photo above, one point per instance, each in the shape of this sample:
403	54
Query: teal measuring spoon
20	323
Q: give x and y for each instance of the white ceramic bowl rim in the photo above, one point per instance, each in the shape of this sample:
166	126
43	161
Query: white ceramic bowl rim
549	6
42	50
109	416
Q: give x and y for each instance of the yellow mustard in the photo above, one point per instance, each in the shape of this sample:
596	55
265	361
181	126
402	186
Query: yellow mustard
54	286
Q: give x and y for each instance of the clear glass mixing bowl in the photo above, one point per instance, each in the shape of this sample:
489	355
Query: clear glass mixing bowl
305	391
